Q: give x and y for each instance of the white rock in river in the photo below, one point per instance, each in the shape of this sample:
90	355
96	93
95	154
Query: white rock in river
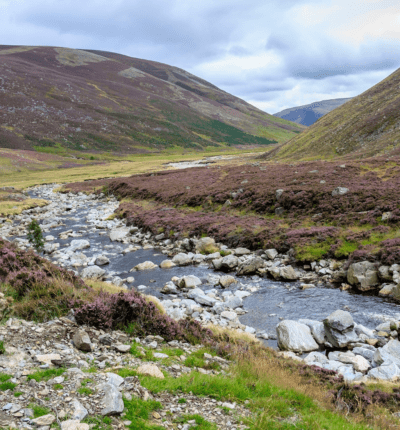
118	234
227	280
317	330
182	259
271	253
189	282
147	265
76	245
229	315
294	336
92	272
167	264
102	260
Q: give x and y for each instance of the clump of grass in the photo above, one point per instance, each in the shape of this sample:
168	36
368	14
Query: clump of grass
201	423
85	391
2	348
138	411
18	393
45	375
99	422
58	387
39	411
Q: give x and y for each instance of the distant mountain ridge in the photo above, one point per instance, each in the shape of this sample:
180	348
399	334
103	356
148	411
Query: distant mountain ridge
308	114
57	99
366	126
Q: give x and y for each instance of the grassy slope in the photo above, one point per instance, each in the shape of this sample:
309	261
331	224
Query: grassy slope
367	125
59	99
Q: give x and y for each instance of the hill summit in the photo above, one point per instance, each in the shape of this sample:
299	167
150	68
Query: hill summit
58	98
367	125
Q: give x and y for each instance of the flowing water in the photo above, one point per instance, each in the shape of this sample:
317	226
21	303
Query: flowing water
266	307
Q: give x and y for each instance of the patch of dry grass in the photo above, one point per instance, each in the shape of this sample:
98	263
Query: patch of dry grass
9	207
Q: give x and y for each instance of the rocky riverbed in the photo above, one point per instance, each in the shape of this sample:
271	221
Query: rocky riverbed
236	288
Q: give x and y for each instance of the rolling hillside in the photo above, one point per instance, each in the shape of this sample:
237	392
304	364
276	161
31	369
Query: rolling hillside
308	114
58	99
368	125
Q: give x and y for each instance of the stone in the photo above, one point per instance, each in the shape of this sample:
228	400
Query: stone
44	420
315	357
189	282
364	352
182	259
384	273
47	358
217	263
361	364
234	302
387	290
288	273
229	263
106	339
307	286
76	245
118	234
226	280
112	400
242	251
169	288
229	315
387	372
386	216
202	299
160	355
294	336
340	191
102	260
146	265
317	330
390	353
82	341
73	425
123	348
92	272
278	193
250	266
79	412
339	320
271	253
167	264
150	370
363	275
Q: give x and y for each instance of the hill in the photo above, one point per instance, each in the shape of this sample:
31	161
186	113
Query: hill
368	125
52	99
308	114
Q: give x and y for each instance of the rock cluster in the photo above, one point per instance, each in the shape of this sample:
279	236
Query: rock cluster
90	385
356	352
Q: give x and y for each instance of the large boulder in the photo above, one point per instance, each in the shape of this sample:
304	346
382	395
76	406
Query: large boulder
92	272
182	259
118	234
340	191
76	245
229	263
288	273
189	282
390	353
317	329
363	275
271	253
147	265
294	336
227	280
250	266
112	400
102	260
389	372
167	264
339	329
82	341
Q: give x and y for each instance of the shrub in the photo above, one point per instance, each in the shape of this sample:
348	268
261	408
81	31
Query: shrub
131	311
35	235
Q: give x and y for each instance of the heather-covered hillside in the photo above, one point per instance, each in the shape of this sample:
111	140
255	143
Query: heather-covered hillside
365	126
55	98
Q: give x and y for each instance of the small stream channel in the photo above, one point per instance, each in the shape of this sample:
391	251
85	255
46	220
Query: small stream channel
272	302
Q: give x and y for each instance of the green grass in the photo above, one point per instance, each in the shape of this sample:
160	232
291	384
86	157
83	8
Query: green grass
84	391
4	386
313	252
39	411
58	387
99	423
2	348
345	249
201	423
271	404
86	381
45	375
139	412
18	393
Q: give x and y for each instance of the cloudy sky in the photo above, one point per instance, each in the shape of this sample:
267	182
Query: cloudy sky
272	53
